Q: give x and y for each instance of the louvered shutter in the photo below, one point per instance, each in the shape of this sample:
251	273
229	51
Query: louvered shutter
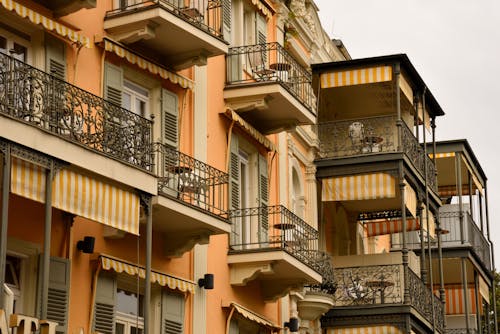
233	327
57	302
261	29
172	313
226	20
234	187
104	307
113	83
55	57
263	200
169	106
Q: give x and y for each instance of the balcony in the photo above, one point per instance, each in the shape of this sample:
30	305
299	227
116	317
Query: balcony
35	98
273	246
181	33
192	201
378	281
65	7
369	137
268	88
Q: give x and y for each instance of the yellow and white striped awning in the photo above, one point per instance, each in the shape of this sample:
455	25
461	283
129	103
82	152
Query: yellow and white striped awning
144	64
120	266
250	315
384	329
78	194
356	77
263	9
442	155
359	187
390	226
48	24
254	133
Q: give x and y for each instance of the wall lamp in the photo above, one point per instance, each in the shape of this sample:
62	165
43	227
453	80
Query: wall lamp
86	245
293	324
207	282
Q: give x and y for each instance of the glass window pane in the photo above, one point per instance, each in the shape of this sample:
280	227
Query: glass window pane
126	101
119	328
3	44
126	302
19	52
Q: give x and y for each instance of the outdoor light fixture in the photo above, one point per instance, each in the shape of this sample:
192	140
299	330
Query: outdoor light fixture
207	282
86	245
293	324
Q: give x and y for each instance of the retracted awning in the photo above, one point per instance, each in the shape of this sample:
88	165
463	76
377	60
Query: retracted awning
122	52
385	329
356	77
263	8
250	130
359	187
251	315
49	24
78	194
120	266
390	226
455	302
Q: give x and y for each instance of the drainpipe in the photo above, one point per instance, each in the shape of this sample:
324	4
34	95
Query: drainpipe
149	243
476	295
493	289
49	176
442	295
466	297
5	217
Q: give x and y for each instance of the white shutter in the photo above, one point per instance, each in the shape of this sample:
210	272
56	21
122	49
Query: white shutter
263	200
104	307
261	29
234	187
113	83
226	20
172	313
170	114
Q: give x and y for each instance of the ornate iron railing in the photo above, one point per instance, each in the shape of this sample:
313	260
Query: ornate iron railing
277	228
208	15
191	181
461	331
267	63
424	301
42	100
322	263
368	285
472	237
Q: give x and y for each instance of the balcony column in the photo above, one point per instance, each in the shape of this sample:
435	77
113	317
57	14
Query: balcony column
469	182
477	301
404	251
442	295
397	92
312	196
423	265
458	174
466	296
434	149
5	215
492	254
49	176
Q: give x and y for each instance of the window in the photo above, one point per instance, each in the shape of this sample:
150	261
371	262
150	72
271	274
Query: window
136	99
13	281
129	313
14	46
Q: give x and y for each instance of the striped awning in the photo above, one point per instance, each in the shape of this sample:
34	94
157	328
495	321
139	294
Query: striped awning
384	329
120	266
442	155
122	52
358	187
48	24
78	194
251	315
455	302
390	226
356	77
263	8
254	133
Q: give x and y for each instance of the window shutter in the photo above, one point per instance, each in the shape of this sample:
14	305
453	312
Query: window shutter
55	57
234	184
113	83
233	327
263	200
261	27
172	313
169	107
57	302
226	20
104	307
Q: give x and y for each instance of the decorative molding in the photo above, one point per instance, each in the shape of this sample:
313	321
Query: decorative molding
241	274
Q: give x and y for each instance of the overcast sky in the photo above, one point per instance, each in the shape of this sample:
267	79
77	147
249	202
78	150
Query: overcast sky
455	46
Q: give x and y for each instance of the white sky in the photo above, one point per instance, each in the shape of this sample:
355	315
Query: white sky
455	46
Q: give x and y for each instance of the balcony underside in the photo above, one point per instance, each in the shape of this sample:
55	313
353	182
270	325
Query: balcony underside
176	41
183	225
277	271
65	7
268	107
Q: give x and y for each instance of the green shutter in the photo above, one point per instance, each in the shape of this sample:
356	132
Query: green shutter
55	57
233	327
104	307
226	20
172	313
261	28
263	200
57	302
234	187
170	113
113	83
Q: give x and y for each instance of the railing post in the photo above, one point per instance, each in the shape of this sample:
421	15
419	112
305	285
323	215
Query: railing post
404	251
399	121
442	295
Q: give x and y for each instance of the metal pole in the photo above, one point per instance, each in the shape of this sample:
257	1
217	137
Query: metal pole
458	168
493	287
5	218
466	297
49	176
442	295
477	294
149	244
404	250
399	121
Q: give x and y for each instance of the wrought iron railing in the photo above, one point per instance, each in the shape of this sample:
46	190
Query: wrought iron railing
424	301
473	237
49	103
208	15
461	331
322	263
278	228
191	181
267	63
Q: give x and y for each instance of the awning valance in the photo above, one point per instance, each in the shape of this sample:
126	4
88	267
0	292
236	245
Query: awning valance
120	266
384	329
390	226
131	57
232	115
48	24
263	9
356	77
78	194
442	155
359	187
251	315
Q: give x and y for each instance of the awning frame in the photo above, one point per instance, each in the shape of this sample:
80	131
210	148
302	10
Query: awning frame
250	315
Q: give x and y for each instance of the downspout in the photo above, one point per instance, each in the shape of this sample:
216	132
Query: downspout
149	243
